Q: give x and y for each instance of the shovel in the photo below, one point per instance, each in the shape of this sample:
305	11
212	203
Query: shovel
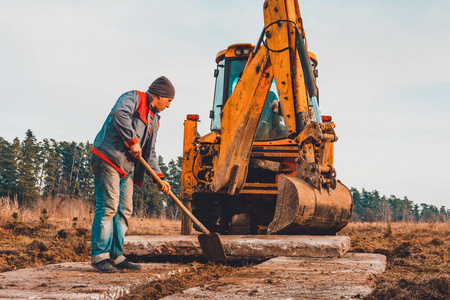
209	241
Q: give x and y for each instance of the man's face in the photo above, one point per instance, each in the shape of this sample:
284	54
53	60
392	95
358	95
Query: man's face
161	103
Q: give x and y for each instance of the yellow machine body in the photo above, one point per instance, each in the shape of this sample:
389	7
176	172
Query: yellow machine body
267	164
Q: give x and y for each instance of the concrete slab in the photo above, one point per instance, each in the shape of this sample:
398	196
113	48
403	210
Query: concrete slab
348	277
257	247
79	280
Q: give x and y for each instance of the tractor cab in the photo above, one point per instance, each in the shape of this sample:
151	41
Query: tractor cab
230	65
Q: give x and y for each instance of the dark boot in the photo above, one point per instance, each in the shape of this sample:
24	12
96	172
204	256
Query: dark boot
104	266
127	265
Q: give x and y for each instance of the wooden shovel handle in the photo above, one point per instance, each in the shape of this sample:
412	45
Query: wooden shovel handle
172	195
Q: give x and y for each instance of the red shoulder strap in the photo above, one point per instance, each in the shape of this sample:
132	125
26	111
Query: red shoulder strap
143	106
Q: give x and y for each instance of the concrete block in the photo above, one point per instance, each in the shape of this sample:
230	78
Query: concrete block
78	280
258	247
348	277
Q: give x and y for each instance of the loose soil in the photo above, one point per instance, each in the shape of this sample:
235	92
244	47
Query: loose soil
28	246
418	257
198	275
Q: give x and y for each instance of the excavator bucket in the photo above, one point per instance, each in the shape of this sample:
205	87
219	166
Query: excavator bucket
304	209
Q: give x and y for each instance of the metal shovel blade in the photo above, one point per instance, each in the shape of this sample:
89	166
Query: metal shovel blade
212	247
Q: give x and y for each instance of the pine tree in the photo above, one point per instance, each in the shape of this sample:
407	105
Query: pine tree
85	177
358	205
11	163
369	201
4	179
162	166
174	175
28	169
70	159
174	179
416	212
443	214
52	164
407	210
147	200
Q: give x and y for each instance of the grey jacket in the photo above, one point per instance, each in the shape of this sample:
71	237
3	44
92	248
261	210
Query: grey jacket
131	121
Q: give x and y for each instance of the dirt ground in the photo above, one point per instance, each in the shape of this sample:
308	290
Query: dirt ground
418	257
32	246
198	275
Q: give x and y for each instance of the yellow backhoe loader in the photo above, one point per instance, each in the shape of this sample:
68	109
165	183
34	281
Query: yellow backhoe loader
266	167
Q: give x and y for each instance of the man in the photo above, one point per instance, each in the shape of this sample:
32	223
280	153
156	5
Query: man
129	131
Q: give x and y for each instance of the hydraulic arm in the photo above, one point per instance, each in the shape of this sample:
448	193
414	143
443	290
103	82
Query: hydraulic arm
282	56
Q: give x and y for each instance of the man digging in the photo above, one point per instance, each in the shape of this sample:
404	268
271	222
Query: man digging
129	131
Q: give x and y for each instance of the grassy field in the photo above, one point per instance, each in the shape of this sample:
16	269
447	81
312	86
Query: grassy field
418	254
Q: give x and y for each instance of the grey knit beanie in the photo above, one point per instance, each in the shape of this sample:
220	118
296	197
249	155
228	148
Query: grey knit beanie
162	87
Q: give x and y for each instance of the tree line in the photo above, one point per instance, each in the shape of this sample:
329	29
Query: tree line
30	170
372	207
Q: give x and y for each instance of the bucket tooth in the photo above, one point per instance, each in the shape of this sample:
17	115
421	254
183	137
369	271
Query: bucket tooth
303	209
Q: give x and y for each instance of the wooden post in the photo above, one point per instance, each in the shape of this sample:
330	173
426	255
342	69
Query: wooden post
186	223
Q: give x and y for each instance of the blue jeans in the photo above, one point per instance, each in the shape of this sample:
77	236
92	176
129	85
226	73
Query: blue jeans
113	209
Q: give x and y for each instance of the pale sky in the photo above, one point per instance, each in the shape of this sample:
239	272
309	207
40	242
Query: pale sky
384	75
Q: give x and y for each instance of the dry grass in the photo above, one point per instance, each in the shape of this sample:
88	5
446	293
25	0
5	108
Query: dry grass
143	226
7	207
398	227
418	258
63	213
